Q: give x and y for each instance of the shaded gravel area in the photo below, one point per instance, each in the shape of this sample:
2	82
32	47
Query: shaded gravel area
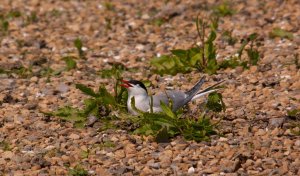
257	135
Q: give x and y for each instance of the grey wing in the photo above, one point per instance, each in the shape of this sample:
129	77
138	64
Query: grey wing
177	98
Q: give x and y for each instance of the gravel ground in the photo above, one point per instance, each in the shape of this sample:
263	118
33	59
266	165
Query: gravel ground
257	138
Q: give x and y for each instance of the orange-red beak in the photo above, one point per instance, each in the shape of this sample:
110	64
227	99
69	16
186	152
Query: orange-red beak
125	84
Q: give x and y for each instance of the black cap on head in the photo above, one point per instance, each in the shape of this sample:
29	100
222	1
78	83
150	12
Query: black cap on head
135	82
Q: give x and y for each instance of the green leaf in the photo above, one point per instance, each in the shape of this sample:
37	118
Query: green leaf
212	67
212	36
215	102
78	44
90	105
252	36
86	90
106	97
253	55
180	53
167	110
70	62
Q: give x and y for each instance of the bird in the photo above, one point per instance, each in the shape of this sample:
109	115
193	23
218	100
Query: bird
177	98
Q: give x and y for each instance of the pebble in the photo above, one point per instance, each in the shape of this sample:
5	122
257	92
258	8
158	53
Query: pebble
74	136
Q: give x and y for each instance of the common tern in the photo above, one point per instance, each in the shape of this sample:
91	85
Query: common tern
178	98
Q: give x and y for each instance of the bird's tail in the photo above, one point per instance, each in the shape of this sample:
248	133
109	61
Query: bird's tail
193	91
208	90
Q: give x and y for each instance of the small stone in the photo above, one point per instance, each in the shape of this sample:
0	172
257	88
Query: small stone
7	155
63	88
297	143
276	122
120	154
191	170
154	165
253	69
34	79
146	171
74	136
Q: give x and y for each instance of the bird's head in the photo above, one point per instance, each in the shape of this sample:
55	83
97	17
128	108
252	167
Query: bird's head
135	87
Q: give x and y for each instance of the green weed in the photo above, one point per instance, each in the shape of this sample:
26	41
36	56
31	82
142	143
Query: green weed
78	171
278	32
109	6
22	72
252	53
201	58
5	146
78	45
223	10
70	62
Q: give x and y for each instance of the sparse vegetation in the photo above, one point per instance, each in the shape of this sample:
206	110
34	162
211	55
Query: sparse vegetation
223	10
78	45
162	126
203	58
78	171
278	32
4	145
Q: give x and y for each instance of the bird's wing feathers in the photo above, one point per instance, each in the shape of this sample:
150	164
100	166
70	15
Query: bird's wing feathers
177	98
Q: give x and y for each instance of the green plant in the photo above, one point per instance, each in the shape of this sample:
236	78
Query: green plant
99	104
20	71
78	171
169	124
252	53
84	154
223	9
201	58
5	146
78	45
109	6
70	62
4	21
278	32
4	26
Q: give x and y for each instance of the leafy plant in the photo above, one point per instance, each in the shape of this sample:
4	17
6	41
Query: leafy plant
78	171
99	104
201	58
278	32
78	45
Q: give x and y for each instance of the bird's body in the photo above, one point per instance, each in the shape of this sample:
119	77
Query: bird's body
178	98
